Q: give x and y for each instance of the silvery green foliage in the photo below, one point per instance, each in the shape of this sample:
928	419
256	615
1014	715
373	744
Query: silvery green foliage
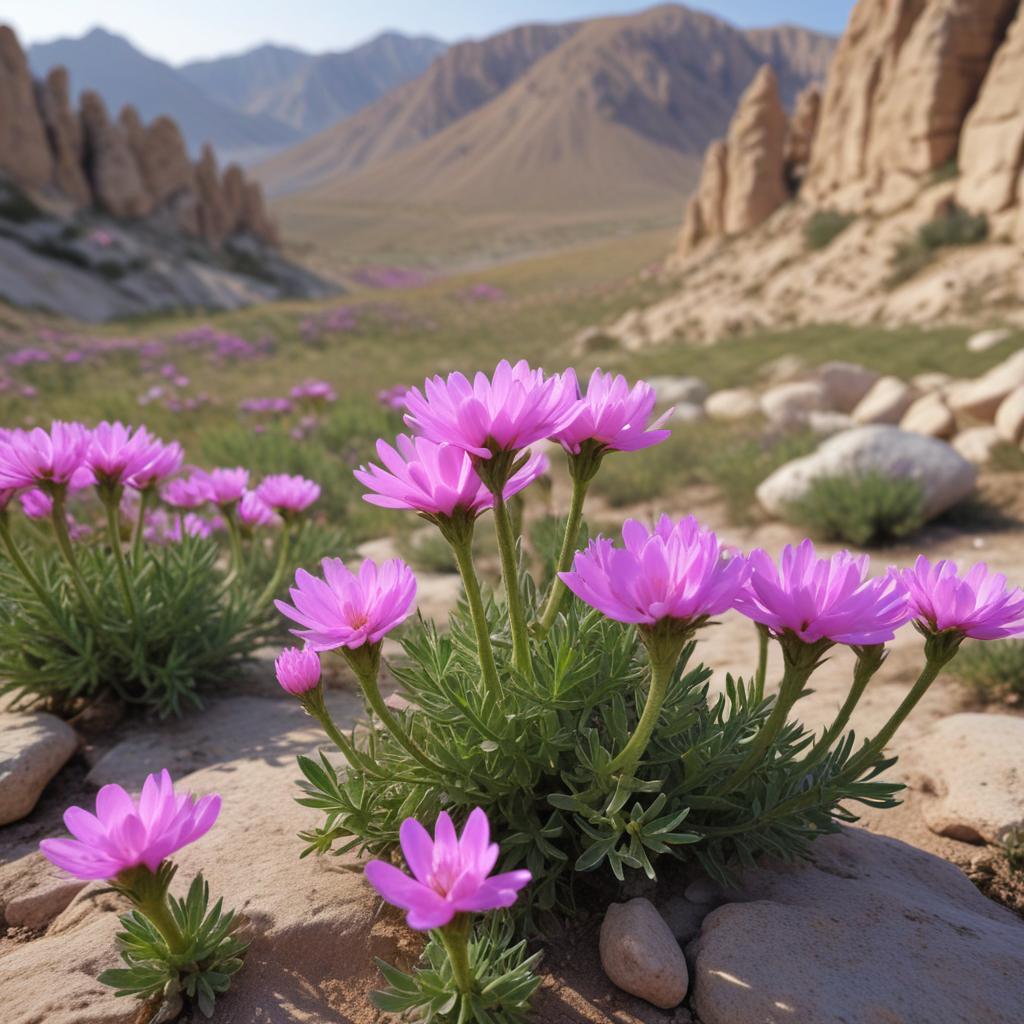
538	764
214	952
195	622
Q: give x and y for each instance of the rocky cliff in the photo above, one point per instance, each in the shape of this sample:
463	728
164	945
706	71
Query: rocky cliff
895	195
103	217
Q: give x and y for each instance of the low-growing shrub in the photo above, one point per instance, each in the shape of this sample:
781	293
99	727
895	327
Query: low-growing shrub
955	227
861	509
994	671
825	226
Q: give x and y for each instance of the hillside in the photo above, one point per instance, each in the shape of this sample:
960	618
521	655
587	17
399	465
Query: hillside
121	74
308	92
608	115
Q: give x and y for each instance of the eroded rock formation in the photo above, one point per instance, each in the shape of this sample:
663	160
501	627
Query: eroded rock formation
124	168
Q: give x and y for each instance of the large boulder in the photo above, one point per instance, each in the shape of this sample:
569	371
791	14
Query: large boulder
791	404
971	768
732	404
65	134
870	930
111	164
944	477
886	401
34	746
991	152
24	151
976	443
931	416
673	390
845	383
165	163
754	161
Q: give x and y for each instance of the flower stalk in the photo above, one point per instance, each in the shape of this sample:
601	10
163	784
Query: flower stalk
570	539
455	937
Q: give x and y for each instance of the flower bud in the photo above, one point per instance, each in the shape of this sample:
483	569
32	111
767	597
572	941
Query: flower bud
297	670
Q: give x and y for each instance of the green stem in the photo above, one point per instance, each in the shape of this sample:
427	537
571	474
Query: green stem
159	914
463	548
663	663
565	556
875	746
510	574
279	569
22	566
140	527
366	672
234	539
455	937
114	534
763	638
60	529
793	680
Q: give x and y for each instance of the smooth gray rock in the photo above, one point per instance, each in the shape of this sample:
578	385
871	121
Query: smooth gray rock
34	746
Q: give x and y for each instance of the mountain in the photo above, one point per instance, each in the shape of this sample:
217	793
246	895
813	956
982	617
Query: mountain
311	92
606	114
121	74
463	79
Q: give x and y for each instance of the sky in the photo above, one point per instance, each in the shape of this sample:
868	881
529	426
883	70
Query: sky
191	29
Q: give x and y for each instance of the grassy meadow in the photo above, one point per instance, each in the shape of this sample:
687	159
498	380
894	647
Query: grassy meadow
371	339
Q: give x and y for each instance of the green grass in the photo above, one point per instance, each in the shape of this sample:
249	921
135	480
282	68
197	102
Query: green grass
993	669
953	228
825	226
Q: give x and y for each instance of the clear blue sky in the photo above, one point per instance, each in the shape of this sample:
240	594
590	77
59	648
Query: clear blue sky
186	29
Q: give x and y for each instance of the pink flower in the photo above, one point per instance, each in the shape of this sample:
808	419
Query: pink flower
314	391
123	834
165	460
348	610
515	408
39	457
117	453
393	397
617	418
227	485
451	873
297	670
678	570
823	598
285	493
191	491
977	604
435	479
254	511
36	504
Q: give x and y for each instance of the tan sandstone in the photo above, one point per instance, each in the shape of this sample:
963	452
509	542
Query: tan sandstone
1009	422
931	416
24	152
65	135
796	153
886	402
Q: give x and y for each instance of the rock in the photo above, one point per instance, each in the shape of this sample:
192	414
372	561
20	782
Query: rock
827	423
976	443
24	151
64	132
705	212
673	390
791	404
732	404
1009	421
903	77
682	917
982	397
992	137
34	746
166	167
705	891
931	380
845	383
754	166
783	369
255	219
640	954
871	930
592	339
972	771
40	905
929	415
796	152
886	402
688	412
113	170
233	189
212	210
944	476
984	340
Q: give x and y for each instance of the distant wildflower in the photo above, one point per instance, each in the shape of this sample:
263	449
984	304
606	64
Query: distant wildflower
314	391
451	873
977	604
297	669
508	412
614	416
124	834
41	458
254	511
393	397
188	492
276	406
36	504
287	494
226	486
676	571
823	598
345	609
